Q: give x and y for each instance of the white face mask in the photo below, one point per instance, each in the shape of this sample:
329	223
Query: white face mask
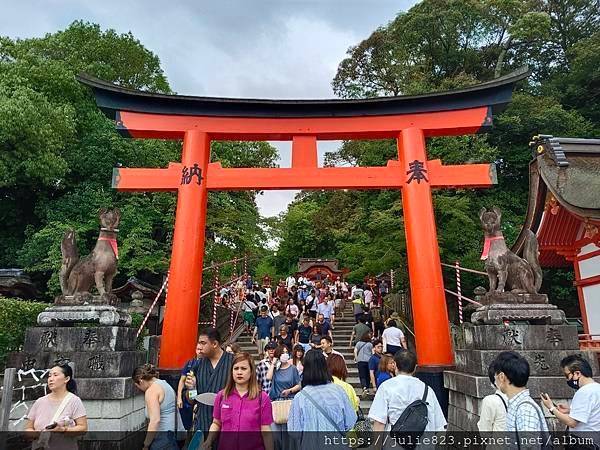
285	357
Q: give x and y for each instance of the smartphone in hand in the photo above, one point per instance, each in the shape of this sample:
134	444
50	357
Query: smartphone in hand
52	426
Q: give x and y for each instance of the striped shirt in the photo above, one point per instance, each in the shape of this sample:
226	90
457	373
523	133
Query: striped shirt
261	375
210	379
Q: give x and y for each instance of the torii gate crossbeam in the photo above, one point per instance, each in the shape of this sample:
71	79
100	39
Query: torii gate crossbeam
408	119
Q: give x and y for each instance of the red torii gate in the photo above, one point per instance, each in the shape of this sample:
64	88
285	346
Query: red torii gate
200	120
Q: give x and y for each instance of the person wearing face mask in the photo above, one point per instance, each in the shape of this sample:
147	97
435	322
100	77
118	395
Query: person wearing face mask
511	373
583	416
286	383
284	375
493	408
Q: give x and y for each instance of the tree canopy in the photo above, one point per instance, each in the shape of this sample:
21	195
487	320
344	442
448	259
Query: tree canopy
58	152
440	45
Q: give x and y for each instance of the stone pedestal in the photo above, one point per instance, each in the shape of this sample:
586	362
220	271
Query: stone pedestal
537	313
102	348
543	343
69	314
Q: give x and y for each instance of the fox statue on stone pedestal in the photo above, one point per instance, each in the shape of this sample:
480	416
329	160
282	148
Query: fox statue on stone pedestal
506	270
78	275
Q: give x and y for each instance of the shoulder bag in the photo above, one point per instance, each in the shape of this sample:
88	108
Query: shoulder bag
363	428
547	444
44	440
281	411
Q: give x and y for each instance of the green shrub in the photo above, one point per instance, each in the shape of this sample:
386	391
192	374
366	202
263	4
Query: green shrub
15	316
136	321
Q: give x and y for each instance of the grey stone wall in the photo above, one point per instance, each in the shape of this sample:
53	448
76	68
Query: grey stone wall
477	345
103	358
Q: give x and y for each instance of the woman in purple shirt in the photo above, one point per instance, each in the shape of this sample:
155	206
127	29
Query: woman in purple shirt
241	407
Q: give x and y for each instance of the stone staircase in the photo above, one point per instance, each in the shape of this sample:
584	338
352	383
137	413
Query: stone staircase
341	338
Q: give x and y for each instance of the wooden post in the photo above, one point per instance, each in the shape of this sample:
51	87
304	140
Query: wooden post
7	391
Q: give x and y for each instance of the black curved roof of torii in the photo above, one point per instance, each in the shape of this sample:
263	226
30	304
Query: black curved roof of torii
112	98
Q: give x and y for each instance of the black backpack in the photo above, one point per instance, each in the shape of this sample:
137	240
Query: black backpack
411	424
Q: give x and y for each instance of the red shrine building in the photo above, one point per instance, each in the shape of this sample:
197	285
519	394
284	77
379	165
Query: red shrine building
564	213
318	269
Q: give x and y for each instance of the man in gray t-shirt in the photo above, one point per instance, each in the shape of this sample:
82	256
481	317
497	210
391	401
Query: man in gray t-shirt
278	321
359	330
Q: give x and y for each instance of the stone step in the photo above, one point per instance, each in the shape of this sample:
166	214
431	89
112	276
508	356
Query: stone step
365	405
338	332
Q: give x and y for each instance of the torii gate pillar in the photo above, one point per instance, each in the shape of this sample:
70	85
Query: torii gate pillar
424	268
185	280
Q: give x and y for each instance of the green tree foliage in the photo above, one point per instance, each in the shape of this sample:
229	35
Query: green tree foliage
579	88
15	316
58	152
441	45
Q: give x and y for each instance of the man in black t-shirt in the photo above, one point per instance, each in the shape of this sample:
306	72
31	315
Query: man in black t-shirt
303	334
321	326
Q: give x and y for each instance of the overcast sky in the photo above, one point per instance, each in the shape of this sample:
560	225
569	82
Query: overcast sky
228	48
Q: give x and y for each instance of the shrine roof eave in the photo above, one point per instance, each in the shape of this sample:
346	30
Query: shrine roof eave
564	169
113	99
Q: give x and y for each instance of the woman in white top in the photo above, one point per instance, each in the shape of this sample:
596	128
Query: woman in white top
57	419
493	409
392	338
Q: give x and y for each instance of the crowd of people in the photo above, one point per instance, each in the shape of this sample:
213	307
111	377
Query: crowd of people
301	312
300	395
302	376
298	390
282	406
237	409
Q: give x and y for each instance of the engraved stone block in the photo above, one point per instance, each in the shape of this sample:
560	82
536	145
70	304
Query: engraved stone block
72	339
541	362
526	337
94	364
480	386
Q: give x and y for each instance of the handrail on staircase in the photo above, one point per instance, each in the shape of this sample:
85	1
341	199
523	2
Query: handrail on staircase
458	294
165	287
407	327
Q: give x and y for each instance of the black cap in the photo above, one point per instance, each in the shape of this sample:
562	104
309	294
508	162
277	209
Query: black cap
271	344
